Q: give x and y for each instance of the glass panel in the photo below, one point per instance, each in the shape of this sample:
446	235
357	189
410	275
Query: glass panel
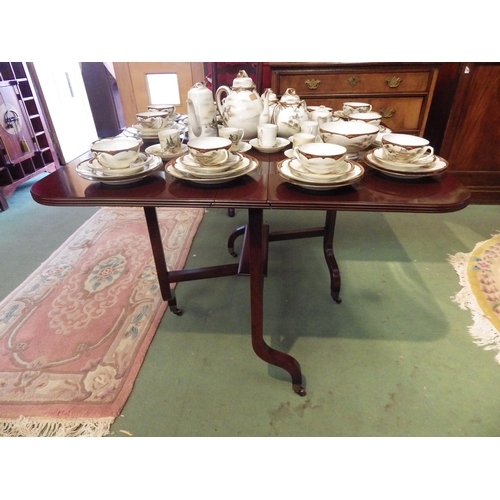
163	88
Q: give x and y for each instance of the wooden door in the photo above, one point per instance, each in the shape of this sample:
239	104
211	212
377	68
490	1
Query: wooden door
472	136
132	81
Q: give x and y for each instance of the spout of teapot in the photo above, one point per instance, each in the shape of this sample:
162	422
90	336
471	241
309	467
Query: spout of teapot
193	120
265	115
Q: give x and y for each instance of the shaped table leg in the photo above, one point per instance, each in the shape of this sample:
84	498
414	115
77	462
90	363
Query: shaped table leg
333	267
159	258
256	260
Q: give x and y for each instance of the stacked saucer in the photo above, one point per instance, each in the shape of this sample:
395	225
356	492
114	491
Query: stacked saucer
187	168
432	165
320	166
293	172
143	166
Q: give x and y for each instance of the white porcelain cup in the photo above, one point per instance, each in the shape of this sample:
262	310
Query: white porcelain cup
302	138
356	107
309	127
406	148
116	152
267	134
321	158
210	151
154	120
170	140
162	108
234	134
368	117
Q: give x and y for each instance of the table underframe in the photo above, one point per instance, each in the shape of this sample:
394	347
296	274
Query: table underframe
252	262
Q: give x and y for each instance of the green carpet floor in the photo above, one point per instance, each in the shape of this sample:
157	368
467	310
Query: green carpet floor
393	359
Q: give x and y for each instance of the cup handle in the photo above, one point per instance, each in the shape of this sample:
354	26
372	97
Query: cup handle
226	155
428	152
295	149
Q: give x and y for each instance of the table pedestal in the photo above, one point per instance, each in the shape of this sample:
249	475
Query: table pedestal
253	262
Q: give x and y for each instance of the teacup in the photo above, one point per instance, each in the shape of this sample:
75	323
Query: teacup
234	134
170	140
406	148
321	158
210	151
162	108
116	152
309	127
154	120
356	107
267	134
369	117
302	138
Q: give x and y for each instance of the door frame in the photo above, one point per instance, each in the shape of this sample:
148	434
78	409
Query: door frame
132	84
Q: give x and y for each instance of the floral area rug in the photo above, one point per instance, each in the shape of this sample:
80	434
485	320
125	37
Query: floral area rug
73	336
479	274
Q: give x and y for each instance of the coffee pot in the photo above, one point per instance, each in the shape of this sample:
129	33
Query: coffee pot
288	112
202	113
242	106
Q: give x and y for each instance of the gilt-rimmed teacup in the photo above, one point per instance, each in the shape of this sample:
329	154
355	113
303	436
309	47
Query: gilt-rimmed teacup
170	140
321	158
154	120
116	152
406	148
368	117
356	107
162	108
210	151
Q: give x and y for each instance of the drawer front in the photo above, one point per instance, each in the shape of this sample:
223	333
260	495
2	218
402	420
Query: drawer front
400	114
317	83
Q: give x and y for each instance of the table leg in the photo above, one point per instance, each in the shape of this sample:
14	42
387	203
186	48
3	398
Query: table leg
331	216
159	258
264	351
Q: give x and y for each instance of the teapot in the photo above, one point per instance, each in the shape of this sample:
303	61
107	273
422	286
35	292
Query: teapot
288	112
321	114
202	113
242	106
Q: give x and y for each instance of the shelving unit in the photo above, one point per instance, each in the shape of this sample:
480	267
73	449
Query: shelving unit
26	148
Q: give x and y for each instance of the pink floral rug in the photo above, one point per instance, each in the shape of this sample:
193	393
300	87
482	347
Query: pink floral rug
479	274
73	336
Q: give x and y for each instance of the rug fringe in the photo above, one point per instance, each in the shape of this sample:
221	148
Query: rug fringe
482	331
47	427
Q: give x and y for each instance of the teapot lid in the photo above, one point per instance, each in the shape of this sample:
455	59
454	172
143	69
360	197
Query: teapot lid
290	96
243	81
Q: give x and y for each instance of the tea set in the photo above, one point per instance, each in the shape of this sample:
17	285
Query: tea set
208	145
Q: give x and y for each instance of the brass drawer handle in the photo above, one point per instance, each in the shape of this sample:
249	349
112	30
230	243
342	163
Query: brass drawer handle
393	81
312	84
354	80
387	112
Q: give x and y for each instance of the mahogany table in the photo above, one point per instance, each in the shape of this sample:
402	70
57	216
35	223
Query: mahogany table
260	190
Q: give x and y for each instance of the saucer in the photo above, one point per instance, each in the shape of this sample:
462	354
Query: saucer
174	172
436	167
189	161
379	155
243	147
156	150
297	168
137	166
200	173
289	153
278	146
84	170
288	174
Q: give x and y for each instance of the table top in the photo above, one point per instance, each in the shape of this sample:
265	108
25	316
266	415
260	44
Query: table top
262	188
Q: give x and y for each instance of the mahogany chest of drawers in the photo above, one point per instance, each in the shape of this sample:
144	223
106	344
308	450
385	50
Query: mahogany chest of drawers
400	92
